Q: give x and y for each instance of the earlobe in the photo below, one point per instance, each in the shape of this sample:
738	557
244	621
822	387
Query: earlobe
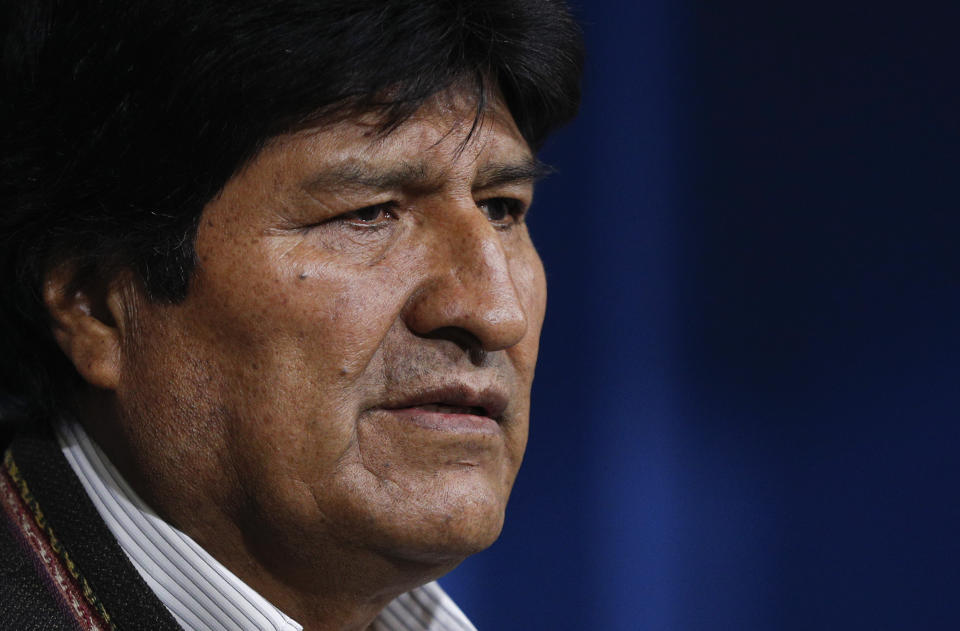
86	318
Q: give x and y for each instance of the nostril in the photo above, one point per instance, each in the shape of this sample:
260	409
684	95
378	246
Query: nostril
477	355
463	338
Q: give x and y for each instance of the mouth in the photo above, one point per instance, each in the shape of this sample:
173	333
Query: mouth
445	408
455	408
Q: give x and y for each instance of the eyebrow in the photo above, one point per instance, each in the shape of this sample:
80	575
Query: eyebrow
360	174
528	170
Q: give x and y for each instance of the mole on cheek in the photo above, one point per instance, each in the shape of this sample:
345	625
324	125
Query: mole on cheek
302	276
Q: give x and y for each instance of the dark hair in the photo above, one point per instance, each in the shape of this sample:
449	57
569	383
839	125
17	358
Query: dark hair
120	120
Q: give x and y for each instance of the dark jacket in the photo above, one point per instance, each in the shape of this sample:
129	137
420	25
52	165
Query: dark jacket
60	567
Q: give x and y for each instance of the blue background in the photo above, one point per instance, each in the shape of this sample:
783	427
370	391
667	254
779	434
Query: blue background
745	414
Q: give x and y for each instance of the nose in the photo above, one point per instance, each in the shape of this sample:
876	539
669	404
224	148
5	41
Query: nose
468	295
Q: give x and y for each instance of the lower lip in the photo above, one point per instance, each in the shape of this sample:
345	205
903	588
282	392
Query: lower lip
447	422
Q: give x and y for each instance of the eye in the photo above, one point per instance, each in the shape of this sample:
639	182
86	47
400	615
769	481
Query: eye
375	216
503	211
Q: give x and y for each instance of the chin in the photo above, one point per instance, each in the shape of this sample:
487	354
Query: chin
447	530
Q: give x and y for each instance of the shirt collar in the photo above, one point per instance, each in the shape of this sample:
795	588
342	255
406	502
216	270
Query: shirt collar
199	591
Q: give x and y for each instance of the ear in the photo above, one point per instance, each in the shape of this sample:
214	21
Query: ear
87	318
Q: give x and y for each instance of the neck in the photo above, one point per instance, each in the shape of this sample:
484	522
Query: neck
341	589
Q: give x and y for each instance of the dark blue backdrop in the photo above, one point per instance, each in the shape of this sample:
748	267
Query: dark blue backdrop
746	411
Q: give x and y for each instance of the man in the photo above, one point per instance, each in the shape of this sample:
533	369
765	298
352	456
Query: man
270	304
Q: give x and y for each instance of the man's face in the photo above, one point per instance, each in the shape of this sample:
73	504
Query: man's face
352	364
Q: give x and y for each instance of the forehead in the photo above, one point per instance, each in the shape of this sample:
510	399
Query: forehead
447	136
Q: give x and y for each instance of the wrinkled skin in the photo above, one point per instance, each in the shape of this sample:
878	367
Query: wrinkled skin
339	408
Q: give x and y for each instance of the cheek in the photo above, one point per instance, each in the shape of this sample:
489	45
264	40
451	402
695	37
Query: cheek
536	286
291	306
344	315
295	346
531	285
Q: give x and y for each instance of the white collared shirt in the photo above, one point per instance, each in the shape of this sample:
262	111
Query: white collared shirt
199	591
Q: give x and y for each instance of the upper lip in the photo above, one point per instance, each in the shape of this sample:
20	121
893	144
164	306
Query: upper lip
491	401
